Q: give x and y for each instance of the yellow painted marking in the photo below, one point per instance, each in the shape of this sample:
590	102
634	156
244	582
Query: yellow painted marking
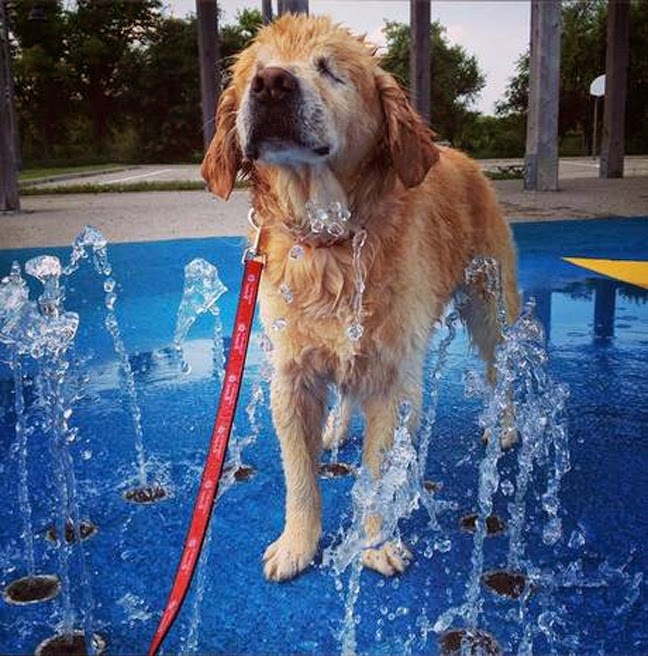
633	271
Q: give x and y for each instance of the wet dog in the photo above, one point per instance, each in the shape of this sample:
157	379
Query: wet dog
367	227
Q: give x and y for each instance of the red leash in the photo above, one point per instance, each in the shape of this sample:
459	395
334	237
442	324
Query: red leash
218	447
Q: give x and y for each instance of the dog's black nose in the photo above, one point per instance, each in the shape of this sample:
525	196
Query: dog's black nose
273	84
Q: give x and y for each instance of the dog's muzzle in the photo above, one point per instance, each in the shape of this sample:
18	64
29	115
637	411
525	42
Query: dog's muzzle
275	106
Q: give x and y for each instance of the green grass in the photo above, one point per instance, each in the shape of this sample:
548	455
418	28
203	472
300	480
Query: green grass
51	172
118	188
513	172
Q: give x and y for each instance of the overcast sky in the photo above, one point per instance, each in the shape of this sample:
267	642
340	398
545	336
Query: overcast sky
495	31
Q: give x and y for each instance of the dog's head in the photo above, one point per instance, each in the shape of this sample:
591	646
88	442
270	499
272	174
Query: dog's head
307	93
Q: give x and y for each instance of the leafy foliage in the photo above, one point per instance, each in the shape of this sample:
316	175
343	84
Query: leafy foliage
582	59
455	78
118	81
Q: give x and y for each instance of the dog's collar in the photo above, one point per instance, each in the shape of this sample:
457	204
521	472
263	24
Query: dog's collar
319	240
302	236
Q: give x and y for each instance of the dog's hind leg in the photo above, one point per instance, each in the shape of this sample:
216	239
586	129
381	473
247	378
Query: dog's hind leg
298	412
479	309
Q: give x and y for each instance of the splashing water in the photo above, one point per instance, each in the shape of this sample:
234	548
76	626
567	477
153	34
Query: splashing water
527	403
13	297
193	634
356	329
332	220
435	506
90	239
21	431
335	419
59	330
393	496
202	288
44	332
539	419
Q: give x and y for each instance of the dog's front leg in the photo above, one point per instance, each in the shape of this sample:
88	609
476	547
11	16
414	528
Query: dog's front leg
298	412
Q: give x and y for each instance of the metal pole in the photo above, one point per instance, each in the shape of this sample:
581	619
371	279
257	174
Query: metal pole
616	77
9	197
595	127
541	157
209	56
292	6
266	10
420	57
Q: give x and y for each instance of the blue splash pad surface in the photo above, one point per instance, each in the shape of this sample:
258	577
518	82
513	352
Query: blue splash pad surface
598	600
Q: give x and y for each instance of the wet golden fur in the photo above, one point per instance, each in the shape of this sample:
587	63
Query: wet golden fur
427	211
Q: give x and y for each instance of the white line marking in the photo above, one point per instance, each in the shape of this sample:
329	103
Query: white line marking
589	166
141	175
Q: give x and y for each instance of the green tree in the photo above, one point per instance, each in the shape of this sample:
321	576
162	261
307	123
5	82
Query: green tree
516	94
495	136
456	78
105	41
582	58
43	78
637	105
169	91
237	36
170	85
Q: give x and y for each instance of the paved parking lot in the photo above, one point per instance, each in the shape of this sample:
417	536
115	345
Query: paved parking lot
570	168
54	220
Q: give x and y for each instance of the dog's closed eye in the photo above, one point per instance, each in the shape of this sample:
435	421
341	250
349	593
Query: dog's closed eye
325	69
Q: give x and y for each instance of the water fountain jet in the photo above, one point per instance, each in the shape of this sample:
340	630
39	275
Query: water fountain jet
91	240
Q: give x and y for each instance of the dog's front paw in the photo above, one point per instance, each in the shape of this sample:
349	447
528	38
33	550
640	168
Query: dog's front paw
288	556
389	559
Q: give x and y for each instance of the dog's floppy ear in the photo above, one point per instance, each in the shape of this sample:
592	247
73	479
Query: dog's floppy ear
223	158
409	140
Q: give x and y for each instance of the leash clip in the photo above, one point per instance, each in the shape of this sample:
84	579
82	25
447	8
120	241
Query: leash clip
252	252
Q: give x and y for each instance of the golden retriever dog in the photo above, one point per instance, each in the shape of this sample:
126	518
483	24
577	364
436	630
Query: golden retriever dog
314	123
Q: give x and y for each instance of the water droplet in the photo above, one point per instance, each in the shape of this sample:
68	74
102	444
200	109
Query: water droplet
265	343
355	331
507	488
335	229
279	324
296	252
552	531
443	545
86	454
109	284
576	539
286	293
43	266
